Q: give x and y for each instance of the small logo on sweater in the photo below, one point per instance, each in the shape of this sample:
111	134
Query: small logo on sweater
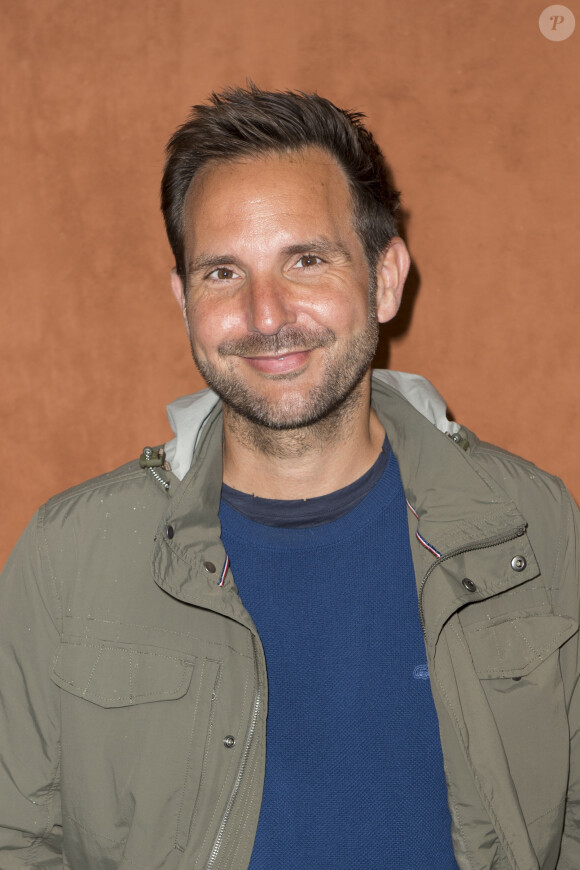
421	672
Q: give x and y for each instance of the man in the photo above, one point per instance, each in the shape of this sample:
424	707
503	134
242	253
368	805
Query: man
405	598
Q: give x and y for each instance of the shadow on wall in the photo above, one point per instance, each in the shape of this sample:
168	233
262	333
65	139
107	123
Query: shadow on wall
401	324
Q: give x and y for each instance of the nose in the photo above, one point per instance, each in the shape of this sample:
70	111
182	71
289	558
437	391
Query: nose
270	305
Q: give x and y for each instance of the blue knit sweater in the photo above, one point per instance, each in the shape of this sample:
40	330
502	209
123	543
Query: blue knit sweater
354	772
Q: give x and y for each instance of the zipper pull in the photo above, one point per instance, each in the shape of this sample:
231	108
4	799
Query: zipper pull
151	458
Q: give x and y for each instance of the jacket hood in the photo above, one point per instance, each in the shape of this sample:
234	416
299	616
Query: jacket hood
188	414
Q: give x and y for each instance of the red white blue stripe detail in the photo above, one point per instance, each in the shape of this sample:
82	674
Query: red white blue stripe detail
420	537
224	571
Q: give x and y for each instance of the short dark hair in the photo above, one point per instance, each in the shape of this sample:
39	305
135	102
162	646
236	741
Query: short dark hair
239	122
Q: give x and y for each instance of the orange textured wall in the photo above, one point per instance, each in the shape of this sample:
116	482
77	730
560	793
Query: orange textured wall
477	113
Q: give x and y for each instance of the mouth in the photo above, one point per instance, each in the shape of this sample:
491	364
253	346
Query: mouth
280	363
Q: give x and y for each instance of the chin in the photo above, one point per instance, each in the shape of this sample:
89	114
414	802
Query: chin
293	401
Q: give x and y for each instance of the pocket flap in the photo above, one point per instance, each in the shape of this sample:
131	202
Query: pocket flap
113	675
514	646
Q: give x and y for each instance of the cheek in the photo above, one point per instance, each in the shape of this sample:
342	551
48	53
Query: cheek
211	323
342	312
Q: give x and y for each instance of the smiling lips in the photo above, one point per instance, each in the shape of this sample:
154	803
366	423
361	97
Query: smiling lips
280	364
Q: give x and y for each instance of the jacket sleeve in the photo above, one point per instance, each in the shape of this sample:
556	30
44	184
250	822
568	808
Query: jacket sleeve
30	823
570	660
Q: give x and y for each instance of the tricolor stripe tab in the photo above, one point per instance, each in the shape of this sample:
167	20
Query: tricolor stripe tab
419	537
224	571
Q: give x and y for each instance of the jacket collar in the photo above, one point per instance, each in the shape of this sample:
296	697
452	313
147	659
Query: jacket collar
188	556
456	502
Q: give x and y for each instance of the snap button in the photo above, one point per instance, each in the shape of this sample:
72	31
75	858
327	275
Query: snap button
460	440
518	563
229	741
468	584
170	532
209	567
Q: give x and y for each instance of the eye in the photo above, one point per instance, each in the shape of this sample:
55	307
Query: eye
308	260
222	274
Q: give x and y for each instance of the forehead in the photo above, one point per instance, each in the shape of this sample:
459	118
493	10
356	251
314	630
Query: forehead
306	188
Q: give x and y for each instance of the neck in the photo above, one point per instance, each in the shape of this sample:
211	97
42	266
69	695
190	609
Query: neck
305	462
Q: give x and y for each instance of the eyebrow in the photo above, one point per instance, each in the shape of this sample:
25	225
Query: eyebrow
318	246
198	264
322	246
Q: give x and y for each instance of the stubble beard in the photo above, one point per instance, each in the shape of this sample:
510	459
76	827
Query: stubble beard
289	426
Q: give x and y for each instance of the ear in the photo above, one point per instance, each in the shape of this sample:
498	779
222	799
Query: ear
179	292
177	289
392	270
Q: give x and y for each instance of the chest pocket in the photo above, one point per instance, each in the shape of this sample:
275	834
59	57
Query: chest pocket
110	675
136	725
513	645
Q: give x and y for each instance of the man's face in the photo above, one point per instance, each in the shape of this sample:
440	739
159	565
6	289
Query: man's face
281	310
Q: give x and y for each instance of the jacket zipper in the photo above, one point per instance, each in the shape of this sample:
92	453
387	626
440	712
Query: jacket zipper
240	775
482	545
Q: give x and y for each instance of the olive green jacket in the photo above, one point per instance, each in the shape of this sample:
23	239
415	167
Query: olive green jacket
133	688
